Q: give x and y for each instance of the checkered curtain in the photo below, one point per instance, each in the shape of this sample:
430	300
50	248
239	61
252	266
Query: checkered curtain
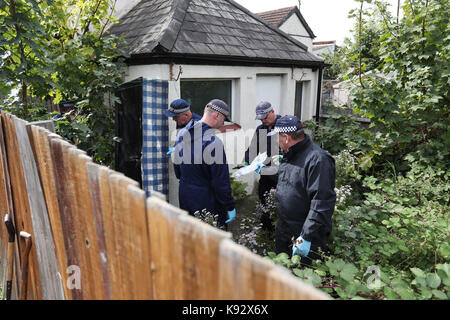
155	166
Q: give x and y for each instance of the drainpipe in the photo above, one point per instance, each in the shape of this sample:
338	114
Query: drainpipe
319	94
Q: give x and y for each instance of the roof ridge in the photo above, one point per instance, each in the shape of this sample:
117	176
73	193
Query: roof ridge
169	34
276	10
303	20
294	41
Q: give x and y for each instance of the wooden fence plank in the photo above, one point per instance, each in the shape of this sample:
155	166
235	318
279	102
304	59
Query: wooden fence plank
120	223
106	200
120	282
242	274
41	138
93	171
22	217
64	194
199	242
140	245
163	221
43	238
77	202
87	229
6	206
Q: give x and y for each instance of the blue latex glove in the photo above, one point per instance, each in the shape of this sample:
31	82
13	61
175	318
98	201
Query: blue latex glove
258	169
301	247
231	215
171	149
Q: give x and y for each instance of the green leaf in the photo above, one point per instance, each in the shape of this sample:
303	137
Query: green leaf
348	272
341	292
298	272
445	251
390	294
401	287
418	272
426	294
351	289
433	280
296	259
283	256
439	294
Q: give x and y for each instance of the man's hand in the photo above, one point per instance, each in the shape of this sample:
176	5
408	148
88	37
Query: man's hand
301	247
231	215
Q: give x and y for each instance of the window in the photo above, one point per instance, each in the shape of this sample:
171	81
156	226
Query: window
199	92
298	99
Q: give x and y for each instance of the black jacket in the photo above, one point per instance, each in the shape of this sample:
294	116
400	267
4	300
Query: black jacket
256	146
305	196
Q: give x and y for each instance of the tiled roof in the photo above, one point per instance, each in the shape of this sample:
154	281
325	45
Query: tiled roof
279	16
275	17
207	29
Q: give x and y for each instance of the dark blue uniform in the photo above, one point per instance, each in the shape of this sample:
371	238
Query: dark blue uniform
305	196
203	172
196	118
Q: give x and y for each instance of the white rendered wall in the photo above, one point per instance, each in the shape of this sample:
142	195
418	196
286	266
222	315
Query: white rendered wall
294	27
245	97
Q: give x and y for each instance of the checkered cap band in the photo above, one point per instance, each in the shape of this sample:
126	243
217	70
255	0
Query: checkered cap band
285	129
219	109
178	110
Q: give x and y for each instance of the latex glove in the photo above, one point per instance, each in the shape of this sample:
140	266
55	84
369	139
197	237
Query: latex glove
276	160
301	247
258	168
231	215
171	149
245	163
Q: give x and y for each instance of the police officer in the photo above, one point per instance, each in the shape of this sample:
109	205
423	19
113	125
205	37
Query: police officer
180	111
201	165
305	196
260	143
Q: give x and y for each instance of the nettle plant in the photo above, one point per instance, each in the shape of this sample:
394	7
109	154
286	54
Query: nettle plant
344	280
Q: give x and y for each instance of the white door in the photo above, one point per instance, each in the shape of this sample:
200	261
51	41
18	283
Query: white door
268	88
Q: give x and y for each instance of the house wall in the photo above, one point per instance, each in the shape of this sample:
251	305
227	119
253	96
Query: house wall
122	7
245	96
294	27
325	49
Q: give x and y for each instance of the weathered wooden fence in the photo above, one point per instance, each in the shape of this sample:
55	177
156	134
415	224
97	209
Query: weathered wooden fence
95	235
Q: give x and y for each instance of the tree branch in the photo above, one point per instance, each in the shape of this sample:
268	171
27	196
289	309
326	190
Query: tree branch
360	51
86	29
412	9
107	20
425	18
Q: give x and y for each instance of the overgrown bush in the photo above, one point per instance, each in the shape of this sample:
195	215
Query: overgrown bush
59	50
391	223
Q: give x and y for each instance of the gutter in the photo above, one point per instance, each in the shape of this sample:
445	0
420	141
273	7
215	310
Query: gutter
319	94
167	58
